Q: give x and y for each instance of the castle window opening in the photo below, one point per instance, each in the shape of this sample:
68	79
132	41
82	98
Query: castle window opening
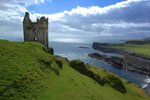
34	30
35	38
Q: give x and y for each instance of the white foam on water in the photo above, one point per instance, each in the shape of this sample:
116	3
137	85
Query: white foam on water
147	80
144	85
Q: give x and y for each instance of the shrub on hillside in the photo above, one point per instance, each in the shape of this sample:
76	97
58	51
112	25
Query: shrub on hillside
56	71
45	62
79	66
96	77
48	65
114	82
59	63
85	69
50	50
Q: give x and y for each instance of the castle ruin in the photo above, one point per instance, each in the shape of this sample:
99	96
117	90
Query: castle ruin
36	31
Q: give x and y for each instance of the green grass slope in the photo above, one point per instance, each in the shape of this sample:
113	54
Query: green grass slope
27	72
137	48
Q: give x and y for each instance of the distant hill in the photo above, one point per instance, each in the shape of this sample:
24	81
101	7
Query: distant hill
142	41
28	72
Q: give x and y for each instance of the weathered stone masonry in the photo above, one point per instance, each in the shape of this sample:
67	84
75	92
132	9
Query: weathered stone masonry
36	31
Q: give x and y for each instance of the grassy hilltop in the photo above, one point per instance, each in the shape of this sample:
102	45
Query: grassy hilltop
137	46
141	49
28	72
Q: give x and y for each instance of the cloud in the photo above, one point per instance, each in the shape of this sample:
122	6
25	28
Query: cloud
127	18
130	18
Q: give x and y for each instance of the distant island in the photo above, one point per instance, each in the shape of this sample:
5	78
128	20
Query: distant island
83	47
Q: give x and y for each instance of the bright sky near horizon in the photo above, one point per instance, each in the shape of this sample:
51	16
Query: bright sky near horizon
78	18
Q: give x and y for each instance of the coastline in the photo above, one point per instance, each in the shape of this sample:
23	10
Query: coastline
130	61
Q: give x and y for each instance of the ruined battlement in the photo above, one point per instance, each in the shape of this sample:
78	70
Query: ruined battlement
35	31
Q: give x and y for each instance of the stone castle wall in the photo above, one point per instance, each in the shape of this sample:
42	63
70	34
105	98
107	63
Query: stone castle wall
36	31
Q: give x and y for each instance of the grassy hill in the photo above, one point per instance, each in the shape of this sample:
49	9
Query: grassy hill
137	48
28	72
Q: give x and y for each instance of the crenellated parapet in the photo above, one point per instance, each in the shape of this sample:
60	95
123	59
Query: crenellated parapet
43	22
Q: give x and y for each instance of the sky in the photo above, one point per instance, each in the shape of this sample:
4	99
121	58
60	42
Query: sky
78	18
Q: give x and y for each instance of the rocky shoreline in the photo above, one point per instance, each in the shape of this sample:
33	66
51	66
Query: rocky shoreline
130	61
116	62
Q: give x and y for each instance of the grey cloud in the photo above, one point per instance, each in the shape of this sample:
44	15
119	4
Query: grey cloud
136	13
10	30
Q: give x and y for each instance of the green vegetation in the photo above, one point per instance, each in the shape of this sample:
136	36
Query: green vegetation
28	72
110	80
50	50
142	48
145	41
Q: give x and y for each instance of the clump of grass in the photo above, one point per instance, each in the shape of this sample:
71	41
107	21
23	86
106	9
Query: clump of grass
79	66
59	63
50	50
115	83
56	71
112	80
85	69
51	65
47	63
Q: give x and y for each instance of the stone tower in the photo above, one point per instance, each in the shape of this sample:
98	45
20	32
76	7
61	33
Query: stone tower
36	31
